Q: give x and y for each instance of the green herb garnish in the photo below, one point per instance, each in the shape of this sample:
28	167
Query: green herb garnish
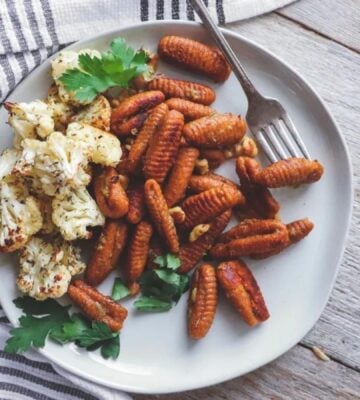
163	286
152	304
169	261
40	319
73	327
119	290
48	318
116	67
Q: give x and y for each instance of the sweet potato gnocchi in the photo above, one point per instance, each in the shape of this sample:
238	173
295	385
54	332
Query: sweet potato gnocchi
162	207
194	56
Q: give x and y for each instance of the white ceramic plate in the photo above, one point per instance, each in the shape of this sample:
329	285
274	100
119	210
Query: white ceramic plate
156	354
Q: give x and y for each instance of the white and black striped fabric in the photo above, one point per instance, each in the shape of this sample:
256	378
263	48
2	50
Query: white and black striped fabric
31	31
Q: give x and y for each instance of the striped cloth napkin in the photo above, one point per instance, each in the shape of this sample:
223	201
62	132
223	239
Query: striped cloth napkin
31	31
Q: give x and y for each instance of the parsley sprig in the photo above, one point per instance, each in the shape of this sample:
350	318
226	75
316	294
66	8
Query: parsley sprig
50	319
163	286
160	287
119	290
115	67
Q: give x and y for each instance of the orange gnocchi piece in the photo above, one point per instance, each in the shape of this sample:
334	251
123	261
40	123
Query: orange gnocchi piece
202	301
297	230
107	251
200	183
159	213
251	236
137	254
136	197
290	172
163	147
194	56
258	198
209	204
141	143
243	291
189	109
131	106
187	90
192	252
97	306
215	131
180	175
110	195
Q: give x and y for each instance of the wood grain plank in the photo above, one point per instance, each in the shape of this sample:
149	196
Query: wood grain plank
338	20
296	375
331	69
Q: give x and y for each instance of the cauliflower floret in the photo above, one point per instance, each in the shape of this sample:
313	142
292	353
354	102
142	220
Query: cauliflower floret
30	120
67	60
70	158
8	160
56	162
20	215
48	227
104	148
96	114
61	112
73	211
46	268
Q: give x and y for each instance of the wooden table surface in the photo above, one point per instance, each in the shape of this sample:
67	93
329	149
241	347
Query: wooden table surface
321	40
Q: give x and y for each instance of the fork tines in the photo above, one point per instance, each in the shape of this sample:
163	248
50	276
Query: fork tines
281	140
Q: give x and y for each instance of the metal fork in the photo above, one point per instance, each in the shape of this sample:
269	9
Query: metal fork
266	117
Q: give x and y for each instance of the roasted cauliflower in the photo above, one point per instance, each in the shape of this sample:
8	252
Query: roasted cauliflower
8	160
61	112
48	226
46	268
73	211
20	215
104	148
96	114
30	120
59	161
68	60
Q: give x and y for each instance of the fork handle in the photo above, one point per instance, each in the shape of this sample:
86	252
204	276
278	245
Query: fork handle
220	40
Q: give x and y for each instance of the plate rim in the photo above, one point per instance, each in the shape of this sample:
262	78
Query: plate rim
297	338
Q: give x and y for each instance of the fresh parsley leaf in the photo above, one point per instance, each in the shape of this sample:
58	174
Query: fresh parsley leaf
172	278
140	62
111	348
168	260
163	286
72	329
160	261
145	303
122	78
151	285
173	284
115	67
111	65
97	333
34	330
23	337
86	86
121	50
119	290
89	335
48	318
173	262
90	64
